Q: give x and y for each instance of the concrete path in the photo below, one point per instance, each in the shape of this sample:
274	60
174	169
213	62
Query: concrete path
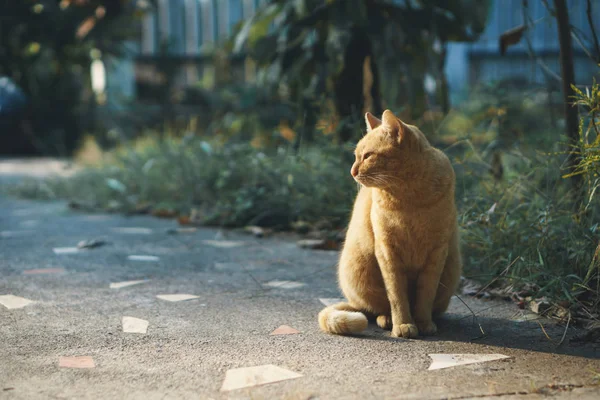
243	296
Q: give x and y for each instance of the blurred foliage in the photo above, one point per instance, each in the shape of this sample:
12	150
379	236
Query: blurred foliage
227	184
46	48
362	54
518	225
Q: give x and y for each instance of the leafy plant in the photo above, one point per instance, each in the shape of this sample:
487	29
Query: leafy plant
588	146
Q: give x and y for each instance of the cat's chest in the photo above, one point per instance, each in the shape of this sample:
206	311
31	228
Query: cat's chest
407	235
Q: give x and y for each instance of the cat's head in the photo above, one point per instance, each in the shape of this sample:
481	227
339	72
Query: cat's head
390	149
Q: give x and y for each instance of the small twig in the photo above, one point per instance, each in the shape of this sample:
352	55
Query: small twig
529	23
565	332
575	36
592	28
545	333
497	277
472	312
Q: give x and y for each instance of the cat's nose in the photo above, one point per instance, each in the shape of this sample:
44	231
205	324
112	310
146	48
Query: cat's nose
354	170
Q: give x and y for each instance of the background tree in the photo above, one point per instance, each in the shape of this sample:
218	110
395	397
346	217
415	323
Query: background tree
46	48
318	50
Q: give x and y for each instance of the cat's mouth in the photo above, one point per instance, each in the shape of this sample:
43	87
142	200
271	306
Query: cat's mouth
364	180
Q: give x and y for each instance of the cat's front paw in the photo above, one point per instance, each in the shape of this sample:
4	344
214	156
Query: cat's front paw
406	331
427	327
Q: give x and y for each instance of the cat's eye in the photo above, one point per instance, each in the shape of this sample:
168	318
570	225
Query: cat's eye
367	155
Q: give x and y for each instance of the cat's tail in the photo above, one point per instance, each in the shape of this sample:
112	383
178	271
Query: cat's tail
342	319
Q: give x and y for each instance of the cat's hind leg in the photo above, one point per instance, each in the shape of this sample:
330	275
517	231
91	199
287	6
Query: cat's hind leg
342	319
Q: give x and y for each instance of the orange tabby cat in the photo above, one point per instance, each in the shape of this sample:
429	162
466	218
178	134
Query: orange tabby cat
401	260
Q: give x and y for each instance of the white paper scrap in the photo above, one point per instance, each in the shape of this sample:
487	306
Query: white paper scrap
134	325
440	361
176	297
142	258
284	284
10	301
7	234
224	244
65	250
239	378
119	285
133	231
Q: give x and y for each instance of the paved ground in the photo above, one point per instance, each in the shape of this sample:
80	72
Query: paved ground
190	345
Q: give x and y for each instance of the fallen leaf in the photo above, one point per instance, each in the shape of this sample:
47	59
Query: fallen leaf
440	361
193	219
43	271
177	297
119	285
164	213
330	301
285	330
76	362
526	317
65	250
142	258
239	378
319	244
133	231
141	209
310	243
511	37
539	306
90	244
224	244
134	325
183	220
11	302
284	284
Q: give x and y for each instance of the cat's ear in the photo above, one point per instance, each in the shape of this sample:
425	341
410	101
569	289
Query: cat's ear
371	121
392	125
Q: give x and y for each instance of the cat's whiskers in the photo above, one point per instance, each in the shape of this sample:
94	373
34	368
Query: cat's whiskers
378	179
